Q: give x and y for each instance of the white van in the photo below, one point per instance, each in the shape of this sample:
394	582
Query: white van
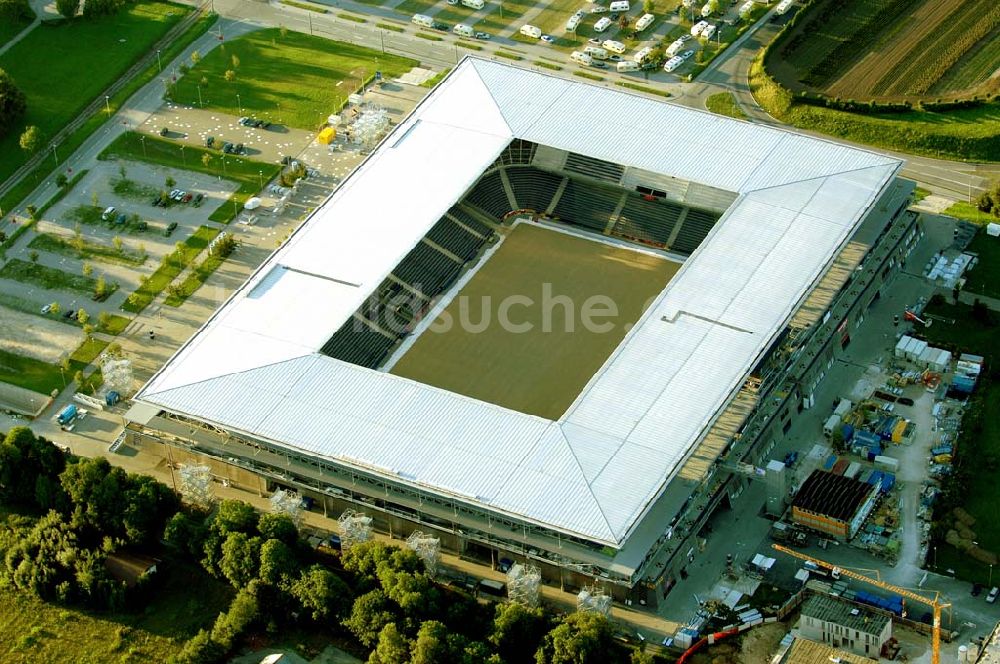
596	52
532	31
422	19
571	24
463	30
627	66
619	6
602	24
614	46
674	48
642	54
644	22
582	58
474	4
698	27
708	32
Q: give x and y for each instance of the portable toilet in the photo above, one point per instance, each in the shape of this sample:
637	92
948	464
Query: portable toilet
112	397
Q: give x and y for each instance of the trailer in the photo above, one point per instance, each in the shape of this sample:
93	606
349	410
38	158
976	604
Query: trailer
67	415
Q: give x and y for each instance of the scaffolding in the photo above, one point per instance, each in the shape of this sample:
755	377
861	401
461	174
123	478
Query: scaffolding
523	583
288	503
594	600
196	485
369	125
355	528
427	548
117	373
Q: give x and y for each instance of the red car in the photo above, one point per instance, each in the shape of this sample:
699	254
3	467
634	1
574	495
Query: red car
187	198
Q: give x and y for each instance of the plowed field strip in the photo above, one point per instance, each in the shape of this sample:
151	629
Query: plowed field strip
974	68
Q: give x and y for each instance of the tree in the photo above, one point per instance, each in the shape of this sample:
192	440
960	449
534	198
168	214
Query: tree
55	308
641	657
278	563
78	377
235	516
82	316
87	269
518	631
68	8
101	7
195	57
118	244
94	200
278	526
981	312
369	614
240	558
581	638
62	180
200	649
15	10
13	103
100	286
32	212
31	139
236	61
169	182
713	6
29	470
242	613
648	6
103	320
186	533
88	331
322	594
33	256
392	647
230	75
431	645
206	160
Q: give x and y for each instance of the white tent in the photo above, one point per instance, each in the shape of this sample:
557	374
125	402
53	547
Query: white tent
252	204
993	229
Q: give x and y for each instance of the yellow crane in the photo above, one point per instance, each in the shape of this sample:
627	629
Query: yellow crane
934	602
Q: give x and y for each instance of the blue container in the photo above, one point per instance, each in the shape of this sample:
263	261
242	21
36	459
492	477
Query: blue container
875	477
830	460
888	481
848	432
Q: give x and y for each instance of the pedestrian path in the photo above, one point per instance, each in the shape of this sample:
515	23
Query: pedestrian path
21	35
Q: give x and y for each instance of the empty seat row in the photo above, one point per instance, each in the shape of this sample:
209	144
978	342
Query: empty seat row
449	235
534	189
427	269
490	195
587	205
650	222
694	228
357	343
470	222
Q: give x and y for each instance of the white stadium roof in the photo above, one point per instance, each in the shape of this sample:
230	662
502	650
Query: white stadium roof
254	367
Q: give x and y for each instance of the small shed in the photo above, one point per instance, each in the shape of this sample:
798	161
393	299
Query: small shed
327	135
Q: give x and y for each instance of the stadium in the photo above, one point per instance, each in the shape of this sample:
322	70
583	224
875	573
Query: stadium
738	259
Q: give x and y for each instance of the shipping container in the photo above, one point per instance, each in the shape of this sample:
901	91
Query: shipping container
840	466
830	460
886	463
853	470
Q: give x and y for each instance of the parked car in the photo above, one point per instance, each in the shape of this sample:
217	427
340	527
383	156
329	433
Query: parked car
142	225
121	219
164	131
686	54
108	214
595	41
187	198
179	196
482	35
209	141
156	201
599	9
171	227
615	58
992	597
227	147
548	39
198	198
239	149
600	64
47	308
976	589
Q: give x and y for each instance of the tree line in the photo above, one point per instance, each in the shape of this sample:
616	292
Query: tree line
377	594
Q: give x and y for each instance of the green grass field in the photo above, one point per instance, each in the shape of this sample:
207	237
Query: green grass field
36	631
294	79
42	377
171	266
984	279
724	103
60	78
542	370
49	278
10	29
981	499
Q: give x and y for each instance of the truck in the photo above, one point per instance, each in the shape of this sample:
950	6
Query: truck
67	415
785	533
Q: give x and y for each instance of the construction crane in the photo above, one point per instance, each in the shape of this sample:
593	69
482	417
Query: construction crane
934	603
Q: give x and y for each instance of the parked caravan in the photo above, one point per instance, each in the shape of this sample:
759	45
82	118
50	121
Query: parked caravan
783	6
627	66
698	27
531	31
708	32
463	30
582	58
673	63
642	54
674	48
620	6
422	19
614	46
571	24
596	52
602	24
644	22
474	4
706	10
746	8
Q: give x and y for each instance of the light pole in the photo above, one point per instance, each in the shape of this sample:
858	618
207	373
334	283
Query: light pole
199	97
183	158
223	165
990	582
142	140
107	104
239	104
260	175
54	155
158	65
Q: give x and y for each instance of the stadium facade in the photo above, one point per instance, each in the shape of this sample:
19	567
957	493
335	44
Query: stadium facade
786	242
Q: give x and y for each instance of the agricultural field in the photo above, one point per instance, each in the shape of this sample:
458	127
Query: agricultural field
542	369
893	50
